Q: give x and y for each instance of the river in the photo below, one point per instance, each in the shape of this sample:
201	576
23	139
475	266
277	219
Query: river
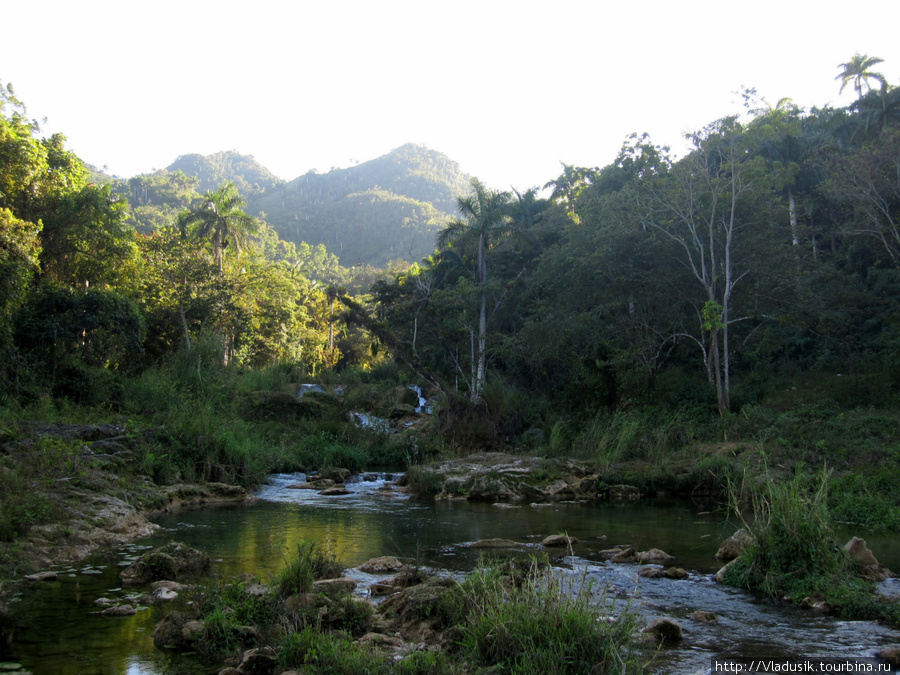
63	634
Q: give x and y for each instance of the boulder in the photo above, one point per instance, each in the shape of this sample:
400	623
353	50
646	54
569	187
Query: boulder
119	610
334	492
889	654
385	563
702	616
664	630
654	555
171	585
720	575
261	661
624	556
735	545
167	562
336	475
173	631
652	572
676	573
163	594
331	587
558	540
869	567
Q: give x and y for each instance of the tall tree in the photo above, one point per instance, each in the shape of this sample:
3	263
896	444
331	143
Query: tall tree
221	220
484	219
858	71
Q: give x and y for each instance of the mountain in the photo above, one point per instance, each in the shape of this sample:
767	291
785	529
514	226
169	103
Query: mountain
249	176
388	208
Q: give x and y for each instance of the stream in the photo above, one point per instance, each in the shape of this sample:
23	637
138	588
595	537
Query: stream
63	634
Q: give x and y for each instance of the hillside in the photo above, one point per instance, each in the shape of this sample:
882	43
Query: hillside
387	208
249	176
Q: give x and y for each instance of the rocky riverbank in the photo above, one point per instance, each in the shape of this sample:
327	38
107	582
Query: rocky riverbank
71	489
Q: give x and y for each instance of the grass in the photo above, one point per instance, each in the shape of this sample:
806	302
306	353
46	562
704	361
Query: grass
311	565
796	554
538	623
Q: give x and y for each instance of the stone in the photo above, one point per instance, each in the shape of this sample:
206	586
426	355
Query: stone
654	555
164	594
735	545
119	610
889	654
171	585
492	543
338	586
379	640
257	590
676	573
42	576
103	601
557	540
334	475
385	563
167	562
702	616
622	494
260	661
665	630
859	552
624	556
651	572
334	492
720	575
310	486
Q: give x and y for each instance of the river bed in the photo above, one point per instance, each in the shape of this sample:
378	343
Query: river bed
62	633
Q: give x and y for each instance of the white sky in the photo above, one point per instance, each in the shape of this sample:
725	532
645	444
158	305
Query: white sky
507	88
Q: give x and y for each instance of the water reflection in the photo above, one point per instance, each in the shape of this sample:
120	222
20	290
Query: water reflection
63	634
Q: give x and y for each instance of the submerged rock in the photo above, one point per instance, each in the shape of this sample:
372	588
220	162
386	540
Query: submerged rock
167	562
702	616
493	543
665	630
119	610
623	494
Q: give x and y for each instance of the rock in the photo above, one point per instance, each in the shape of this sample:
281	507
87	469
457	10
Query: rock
42	576
171	585
334	492
379	589
309	486
822	607
557	540
624	556
859	552
257	590
167	562
193	630
230	671
414	607
300	601
261	661
164	594
869	566
651	572
654	555
622	494
492	543
170	632
103	601
702	616
665	630
676	573
331	587
889	654
370	477
385	563
720	575
119	610
735	545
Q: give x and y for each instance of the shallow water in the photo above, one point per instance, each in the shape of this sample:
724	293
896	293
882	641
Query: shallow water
63	634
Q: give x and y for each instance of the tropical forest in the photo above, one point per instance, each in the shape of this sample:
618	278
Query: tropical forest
644	417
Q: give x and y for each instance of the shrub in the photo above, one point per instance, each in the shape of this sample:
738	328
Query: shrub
311	565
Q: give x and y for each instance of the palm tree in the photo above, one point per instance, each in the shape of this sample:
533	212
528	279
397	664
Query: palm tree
857	70
220	219
484	219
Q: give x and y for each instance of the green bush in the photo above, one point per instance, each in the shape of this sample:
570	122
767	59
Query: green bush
311	565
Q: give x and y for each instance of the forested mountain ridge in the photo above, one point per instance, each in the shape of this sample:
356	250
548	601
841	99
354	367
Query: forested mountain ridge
387	208
249	176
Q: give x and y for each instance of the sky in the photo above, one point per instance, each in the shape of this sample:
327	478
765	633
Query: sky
508	89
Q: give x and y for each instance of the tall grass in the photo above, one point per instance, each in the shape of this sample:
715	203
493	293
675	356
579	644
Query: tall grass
537	623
